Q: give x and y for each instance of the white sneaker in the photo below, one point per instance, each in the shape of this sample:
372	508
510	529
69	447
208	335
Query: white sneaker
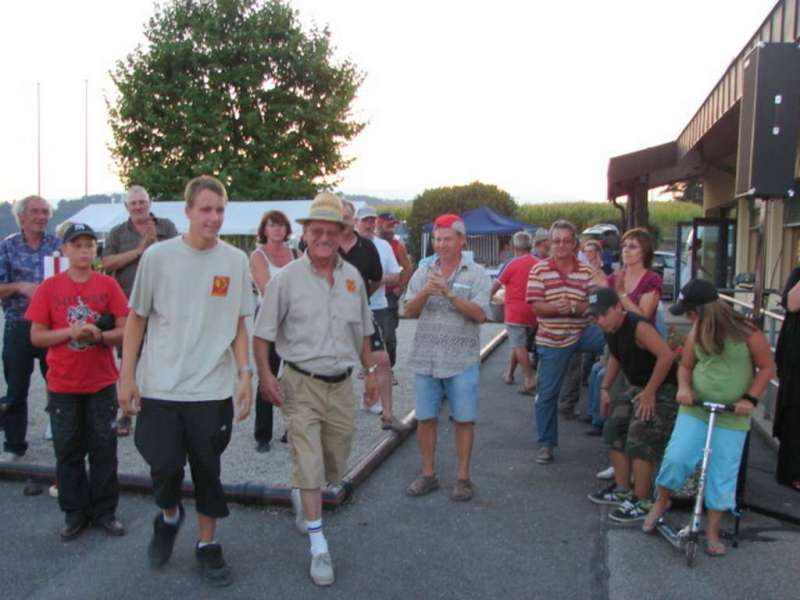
297	507
53	491
10	457
321	569
375	409
48	432
606	473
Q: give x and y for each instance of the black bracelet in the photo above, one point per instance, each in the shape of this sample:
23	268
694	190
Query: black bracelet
750	398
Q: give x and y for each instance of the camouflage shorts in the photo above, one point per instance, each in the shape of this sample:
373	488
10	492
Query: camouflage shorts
627	433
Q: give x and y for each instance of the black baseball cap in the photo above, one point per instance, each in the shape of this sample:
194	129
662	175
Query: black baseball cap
695	293
601	300
77	230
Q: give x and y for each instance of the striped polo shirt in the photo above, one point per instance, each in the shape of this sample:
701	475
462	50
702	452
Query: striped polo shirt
547	284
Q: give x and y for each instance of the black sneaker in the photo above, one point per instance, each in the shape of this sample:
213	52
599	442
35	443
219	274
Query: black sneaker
610	495
160	548
112	526
212	566
631	511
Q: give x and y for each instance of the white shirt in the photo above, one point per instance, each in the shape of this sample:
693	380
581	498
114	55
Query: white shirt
390	266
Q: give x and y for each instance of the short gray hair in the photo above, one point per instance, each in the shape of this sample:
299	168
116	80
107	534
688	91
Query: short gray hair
522	239
348	205
564	224
20	206
136	190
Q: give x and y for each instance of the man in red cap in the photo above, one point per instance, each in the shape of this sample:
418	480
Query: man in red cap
386	230
450	297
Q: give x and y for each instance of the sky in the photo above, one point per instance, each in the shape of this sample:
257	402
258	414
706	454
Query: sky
532	96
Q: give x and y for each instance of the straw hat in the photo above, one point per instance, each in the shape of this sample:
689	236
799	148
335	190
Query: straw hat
325	207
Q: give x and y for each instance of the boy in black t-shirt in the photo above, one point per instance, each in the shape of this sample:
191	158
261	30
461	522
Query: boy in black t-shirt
641	419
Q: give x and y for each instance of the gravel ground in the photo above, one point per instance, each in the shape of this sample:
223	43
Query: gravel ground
240	462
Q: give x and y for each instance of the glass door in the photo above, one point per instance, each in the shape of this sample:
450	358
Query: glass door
711	250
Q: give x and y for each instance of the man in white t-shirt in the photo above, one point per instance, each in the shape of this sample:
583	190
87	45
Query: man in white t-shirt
365	225
191	296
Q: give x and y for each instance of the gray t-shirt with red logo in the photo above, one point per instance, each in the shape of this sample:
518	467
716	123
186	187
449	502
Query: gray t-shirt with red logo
192	300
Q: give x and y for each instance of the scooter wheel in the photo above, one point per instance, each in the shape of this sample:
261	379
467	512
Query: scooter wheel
691	552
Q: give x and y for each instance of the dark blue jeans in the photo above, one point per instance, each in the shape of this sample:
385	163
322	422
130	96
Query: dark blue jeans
84	425
553	365
18	357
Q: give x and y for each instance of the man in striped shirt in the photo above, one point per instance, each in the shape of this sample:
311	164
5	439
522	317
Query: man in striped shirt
559	290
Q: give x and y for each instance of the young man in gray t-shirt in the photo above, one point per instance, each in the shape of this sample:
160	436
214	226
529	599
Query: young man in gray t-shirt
191	295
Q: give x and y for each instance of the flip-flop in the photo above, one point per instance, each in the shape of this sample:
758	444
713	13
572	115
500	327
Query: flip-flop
526	391
716	550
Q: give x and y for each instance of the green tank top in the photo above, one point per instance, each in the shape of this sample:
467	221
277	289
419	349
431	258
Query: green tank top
722	378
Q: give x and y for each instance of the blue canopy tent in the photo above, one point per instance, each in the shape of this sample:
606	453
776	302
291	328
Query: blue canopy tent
488	232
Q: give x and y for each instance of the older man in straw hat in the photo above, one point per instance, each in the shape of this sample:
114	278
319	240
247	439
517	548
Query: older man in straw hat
317	316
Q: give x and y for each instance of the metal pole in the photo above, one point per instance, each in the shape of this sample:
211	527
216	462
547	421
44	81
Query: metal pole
761	266
38	140
86	140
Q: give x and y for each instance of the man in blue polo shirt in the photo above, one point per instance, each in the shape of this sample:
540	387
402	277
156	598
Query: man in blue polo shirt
21	271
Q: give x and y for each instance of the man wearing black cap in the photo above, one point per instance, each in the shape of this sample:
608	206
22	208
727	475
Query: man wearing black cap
78	315
640	420
387	222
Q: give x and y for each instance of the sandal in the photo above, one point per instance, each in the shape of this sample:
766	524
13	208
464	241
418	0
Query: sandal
508	379
651	520
526	391
392	424
424	484
462	491
716	549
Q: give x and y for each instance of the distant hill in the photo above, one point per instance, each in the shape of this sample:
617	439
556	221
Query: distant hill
374	200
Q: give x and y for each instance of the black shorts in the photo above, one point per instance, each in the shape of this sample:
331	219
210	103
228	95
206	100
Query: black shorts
169	432
377	343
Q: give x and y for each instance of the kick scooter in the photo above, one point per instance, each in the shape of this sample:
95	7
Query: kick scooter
686	538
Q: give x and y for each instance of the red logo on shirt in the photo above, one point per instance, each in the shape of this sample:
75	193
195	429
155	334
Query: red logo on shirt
220	286
350	284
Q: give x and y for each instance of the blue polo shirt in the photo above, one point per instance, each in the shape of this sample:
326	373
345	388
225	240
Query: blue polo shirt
21	263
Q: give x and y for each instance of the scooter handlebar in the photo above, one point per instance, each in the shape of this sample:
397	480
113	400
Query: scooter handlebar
715	406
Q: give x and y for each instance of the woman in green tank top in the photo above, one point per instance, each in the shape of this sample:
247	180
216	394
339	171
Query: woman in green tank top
726	360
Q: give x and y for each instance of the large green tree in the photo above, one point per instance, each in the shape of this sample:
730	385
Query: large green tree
454	199
235	89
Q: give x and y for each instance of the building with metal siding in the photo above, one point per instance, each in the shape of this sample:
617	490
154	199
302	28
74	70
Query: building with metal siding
706	149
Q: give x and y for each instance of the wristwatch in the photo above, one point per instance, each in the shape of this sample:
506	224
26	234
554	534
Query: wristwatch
246	369
369	370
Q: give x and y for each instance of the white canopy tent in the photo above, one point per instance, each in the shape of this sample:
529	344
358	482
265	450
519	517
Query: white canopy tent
241	218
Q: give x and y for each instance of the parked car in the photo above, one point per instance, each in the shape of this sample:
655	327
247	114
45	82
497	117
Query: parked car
664	265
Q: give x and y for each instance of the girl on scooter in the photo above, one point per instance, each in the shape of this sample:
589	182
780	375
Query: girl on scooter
726	360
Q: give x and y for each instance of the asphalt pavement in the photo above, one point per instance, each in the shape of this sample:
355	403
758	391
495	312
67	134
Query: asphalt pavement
528	533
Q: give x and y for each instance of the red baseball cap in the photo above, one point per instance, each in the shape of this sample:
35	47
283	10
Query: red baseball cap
449	221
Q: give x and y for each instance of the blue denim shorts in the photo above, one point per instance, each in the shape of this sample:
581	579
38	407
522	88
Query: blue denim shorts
461	391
